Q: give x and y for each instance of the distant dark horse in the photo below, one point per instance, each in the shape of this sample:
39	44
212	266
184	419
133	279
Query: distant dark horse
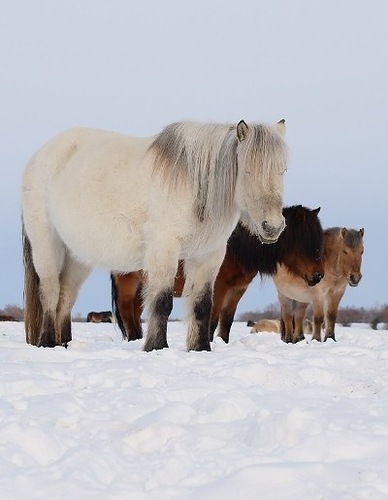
99	317
298	249
4	317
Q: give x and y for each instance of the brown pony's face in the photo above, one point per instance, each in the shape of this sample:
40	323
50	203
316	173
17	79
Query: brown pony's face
310	270
304	233
352	251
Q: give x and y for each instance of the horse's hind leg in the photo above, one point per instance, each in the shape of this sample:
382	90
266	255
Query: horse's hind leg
127	303
71	278
228	311
200	278
43	257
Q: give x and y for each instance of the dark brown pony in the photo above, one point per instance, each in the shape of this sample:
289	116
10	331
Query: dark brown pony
342	257
298	249
99	317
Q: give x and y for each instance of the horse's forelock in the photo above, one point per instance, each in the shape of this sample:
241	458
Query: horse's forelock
353	238
266	149
303	231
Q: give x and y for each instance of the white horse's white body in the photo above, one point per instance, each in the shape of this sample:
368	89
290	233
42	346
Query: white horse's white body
96	198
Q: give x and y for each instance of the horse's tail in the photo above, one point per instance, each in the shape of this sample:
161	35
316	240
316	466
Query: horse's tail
115	309
33	311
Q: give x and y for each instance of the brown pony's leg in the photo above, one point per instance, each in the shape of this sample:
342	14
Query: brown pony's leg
287	318
228	311
317	320
331	315
127	303
220	290
299	315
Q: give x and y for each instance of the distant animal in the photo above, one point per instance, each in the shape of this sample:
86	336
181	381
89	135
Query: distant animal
299	248
100	317
4	317
342	257
273	325
98	198
265	325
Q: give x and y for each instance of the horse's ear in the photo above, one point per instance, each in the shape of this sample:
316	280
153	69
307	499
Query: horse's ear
343	232
361	232
316	210
242	130
281	126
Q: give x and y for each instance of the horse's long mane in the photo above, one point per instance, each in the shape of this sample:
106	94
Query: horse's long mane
205	155
303	234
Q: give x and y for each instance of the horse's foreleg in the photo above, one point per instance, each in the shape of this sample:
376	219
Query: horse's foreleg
199	324
331	315
159	310
299	315
160	276
200	278
287	318
317	320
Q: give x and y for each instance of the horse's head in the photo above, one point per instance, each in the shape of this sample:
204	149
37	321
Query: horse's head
352	251
301	244
262	158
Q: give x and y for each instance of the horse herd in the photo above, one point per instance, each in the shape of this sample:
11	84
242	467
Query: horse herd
195	212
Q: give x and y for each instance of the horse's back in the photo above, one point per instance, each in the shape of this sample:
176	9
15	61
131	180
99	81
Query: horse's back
84	180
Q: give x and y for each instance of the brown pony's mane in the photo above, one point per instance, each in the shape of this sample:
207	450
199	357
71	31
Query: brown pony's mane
352	237
303	234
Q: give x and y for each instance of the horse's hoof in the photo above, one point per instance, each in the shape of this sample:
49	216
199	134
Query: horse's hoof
330	338
149	347
46	340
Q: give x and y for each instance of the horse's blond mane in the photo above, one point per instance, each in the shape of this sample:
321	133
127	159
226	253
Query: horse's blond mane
205	155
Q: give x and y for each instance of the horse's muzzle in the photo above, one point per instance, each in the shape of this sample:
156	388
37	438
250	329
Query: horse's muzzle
314	279
270	234
354	279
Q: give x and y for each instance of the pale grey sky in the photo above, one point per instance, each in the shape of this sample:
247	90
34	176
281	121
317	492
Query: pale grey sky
134	67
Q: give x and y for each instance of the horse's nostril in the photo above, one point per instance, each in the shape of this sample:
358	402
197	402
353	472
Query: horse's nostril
317	277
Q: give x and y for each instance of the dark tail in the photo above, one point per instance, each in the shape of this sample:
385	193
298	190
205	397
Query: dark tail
33	311
115	309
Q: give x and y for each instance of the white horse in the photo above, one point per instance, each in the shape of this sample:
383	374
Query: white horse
98	198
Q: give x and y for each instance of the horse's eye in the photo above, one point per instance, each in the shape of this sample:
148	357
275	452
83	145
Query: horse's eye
345	252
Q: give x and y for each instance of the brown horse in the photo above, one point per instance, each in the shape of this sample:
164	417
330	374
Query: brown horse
99	317
298	249
342	257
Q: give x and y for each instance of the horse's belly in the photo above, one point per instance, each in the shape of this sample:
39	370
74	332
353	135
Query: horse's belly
98	207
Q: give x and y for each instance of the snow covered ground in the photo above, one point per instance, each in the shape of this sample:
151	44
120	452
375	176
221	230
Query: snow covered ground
255	419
